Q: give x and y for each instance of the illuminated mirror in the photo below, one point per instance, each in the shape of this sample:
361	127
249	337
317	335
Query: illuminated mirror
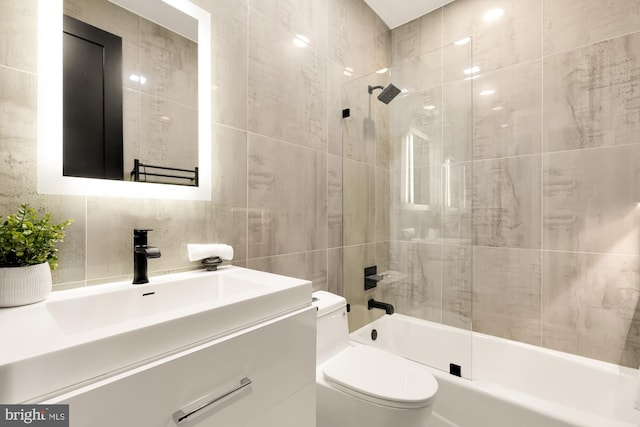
180	16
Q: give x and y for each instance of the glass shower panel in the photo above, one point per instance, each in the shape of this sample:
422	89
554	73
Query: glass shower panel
415	188
406	195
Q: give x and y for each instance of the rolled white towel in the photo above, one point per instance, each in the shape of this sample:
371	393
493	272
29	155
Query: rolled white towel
199	251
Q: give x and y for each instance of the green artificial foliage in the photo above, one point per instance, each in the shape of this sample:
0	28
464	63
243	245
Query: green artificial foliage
26	239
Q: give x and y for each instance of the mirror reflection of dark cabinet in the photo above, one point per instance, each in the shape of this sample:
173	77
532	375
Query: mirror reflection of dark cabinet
92	102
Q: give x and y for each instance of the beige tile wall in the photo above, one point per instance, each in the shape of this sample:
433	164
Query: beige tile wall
277	145
555	262
555	250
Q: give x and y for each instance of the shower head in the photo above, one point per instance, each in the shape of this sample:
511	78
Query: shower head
387	94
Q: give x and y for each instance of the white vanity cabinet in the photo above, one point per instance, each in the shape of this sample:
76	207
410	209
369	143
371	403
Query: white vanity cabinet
263	376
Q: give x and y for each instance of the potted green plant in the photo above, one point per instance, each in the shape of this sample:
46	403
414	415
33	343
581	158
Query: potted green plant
28	253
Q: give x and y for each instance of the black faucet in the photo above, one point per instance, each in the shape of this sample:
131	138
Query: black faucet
141	252
388	308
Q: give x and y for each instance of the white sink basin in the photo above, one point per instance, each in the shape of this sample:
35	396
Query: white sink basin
80	335
134	302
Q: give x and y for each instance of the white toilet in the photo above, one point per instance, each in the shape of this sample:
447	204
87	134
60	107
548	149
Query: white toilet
360	385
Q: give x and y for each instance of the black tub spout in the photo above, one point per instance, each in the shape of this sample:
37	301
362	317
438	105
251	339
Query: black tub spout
388	308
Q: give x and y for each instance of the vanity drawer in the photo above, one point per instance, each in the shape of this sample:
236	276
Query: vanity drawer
276	360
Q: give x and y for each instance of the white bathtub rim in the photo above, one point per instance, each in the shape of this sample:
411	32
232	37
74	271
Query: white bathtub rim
568	415
612	408
607	367
604	389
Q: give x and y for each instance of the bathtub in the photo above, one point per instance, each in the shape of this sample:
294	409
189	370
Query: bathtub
505	383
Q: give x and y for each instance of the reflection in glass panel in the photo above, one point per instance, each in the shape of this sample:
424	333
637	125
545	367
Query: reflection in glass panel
413	217
159	78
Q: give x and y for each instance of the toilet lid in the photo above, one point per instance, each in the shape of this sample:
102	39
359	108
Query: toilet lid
381	377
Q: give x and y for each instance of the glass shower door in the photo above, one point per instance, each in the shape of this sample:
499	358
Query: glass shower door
406	196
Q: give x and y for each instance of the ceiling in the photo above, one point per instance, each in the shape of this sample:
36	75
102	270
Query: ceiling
397	12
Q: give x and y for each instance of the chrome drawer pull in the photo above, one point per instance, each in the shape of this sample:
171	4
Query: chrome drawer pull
183	414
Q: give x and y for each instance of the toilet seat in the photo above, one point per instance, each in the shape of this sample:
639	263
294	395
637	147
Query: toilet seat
381	377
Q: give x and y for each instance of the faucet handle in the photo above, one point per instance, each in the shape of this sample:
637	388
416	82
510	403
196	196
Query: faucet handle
152	252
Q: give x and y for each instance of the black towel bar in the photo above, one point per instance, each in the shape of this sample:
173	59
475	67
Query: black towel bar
139	173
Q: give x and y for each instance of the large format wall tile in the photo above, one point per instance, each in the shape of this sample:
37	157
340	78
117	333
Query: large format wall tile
287	198
360	129
18	172
18	102
419	36
457	286
110	225
513	38
304	17
457	120
334	200
383	135
18	34
335	273
458	61
506	293
383	45
590	95
229	192
229	152
356	258
287	97
72	252
415	264
353	38
359	192
573	23
303	265
506	202
382	202
590	200
229	62
417	74
508	120
18	134
170	64
590	306
335	79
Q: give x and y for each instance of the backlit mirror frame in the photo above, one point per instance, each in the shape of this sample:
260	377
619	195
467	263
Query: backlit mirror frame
50	178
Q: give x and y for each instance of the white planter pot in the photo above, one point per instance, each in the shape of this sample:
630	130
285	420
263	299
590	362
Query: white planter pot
24	285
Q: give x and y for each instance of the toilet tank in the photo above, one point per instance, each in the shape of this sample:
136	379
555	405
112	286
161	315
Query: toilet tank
332	332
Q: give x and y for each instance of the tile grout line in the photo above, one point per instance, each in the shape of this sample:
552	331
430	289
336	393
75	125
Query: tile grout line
246	218
441	225
541	142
